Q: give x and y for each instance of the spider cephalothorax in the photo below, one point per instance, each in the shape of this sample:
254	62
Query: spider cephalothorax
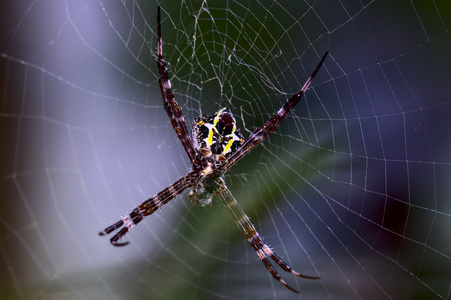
214	147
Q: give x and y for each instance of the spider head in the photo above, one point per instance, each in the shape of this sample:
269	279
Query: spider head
202	193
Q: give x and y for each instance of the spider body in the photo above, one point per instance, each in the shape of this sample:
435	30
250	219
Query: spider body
215	145
215	138
216	135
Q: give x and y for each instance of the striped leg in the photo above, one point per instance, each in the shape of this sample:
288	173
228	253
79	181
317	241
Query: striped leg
251	234
170	105
148	207
266	129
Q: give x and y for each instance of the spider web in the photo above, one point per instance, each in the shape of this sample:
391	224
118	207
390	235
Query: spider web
353	187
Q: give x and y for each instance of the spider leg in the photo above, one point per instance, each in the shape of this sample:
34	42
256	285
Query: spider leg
129	221
148	207
254	239
267	128
170	105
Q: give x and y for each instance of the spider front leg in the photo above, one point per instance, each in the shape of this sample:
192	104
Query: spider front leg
129	221
254	239
148	207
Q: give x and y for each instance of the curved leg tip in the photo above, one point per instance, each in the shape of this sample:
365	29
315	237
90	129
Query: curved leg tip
114	243
307	277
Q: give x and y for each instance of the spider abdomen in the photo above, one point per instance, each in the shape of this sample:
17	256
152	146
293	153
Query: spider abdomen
216	135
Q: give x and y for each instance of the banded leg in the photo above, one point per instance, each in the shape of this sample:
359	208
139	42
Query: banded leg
170	105
148	207
251	234
266	129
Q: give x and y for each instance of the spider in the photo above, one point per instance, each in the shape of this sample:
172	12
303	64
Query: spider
214	147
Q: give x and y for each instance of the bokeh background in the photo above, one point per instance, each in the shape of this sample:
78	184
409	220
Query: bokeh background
353	187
